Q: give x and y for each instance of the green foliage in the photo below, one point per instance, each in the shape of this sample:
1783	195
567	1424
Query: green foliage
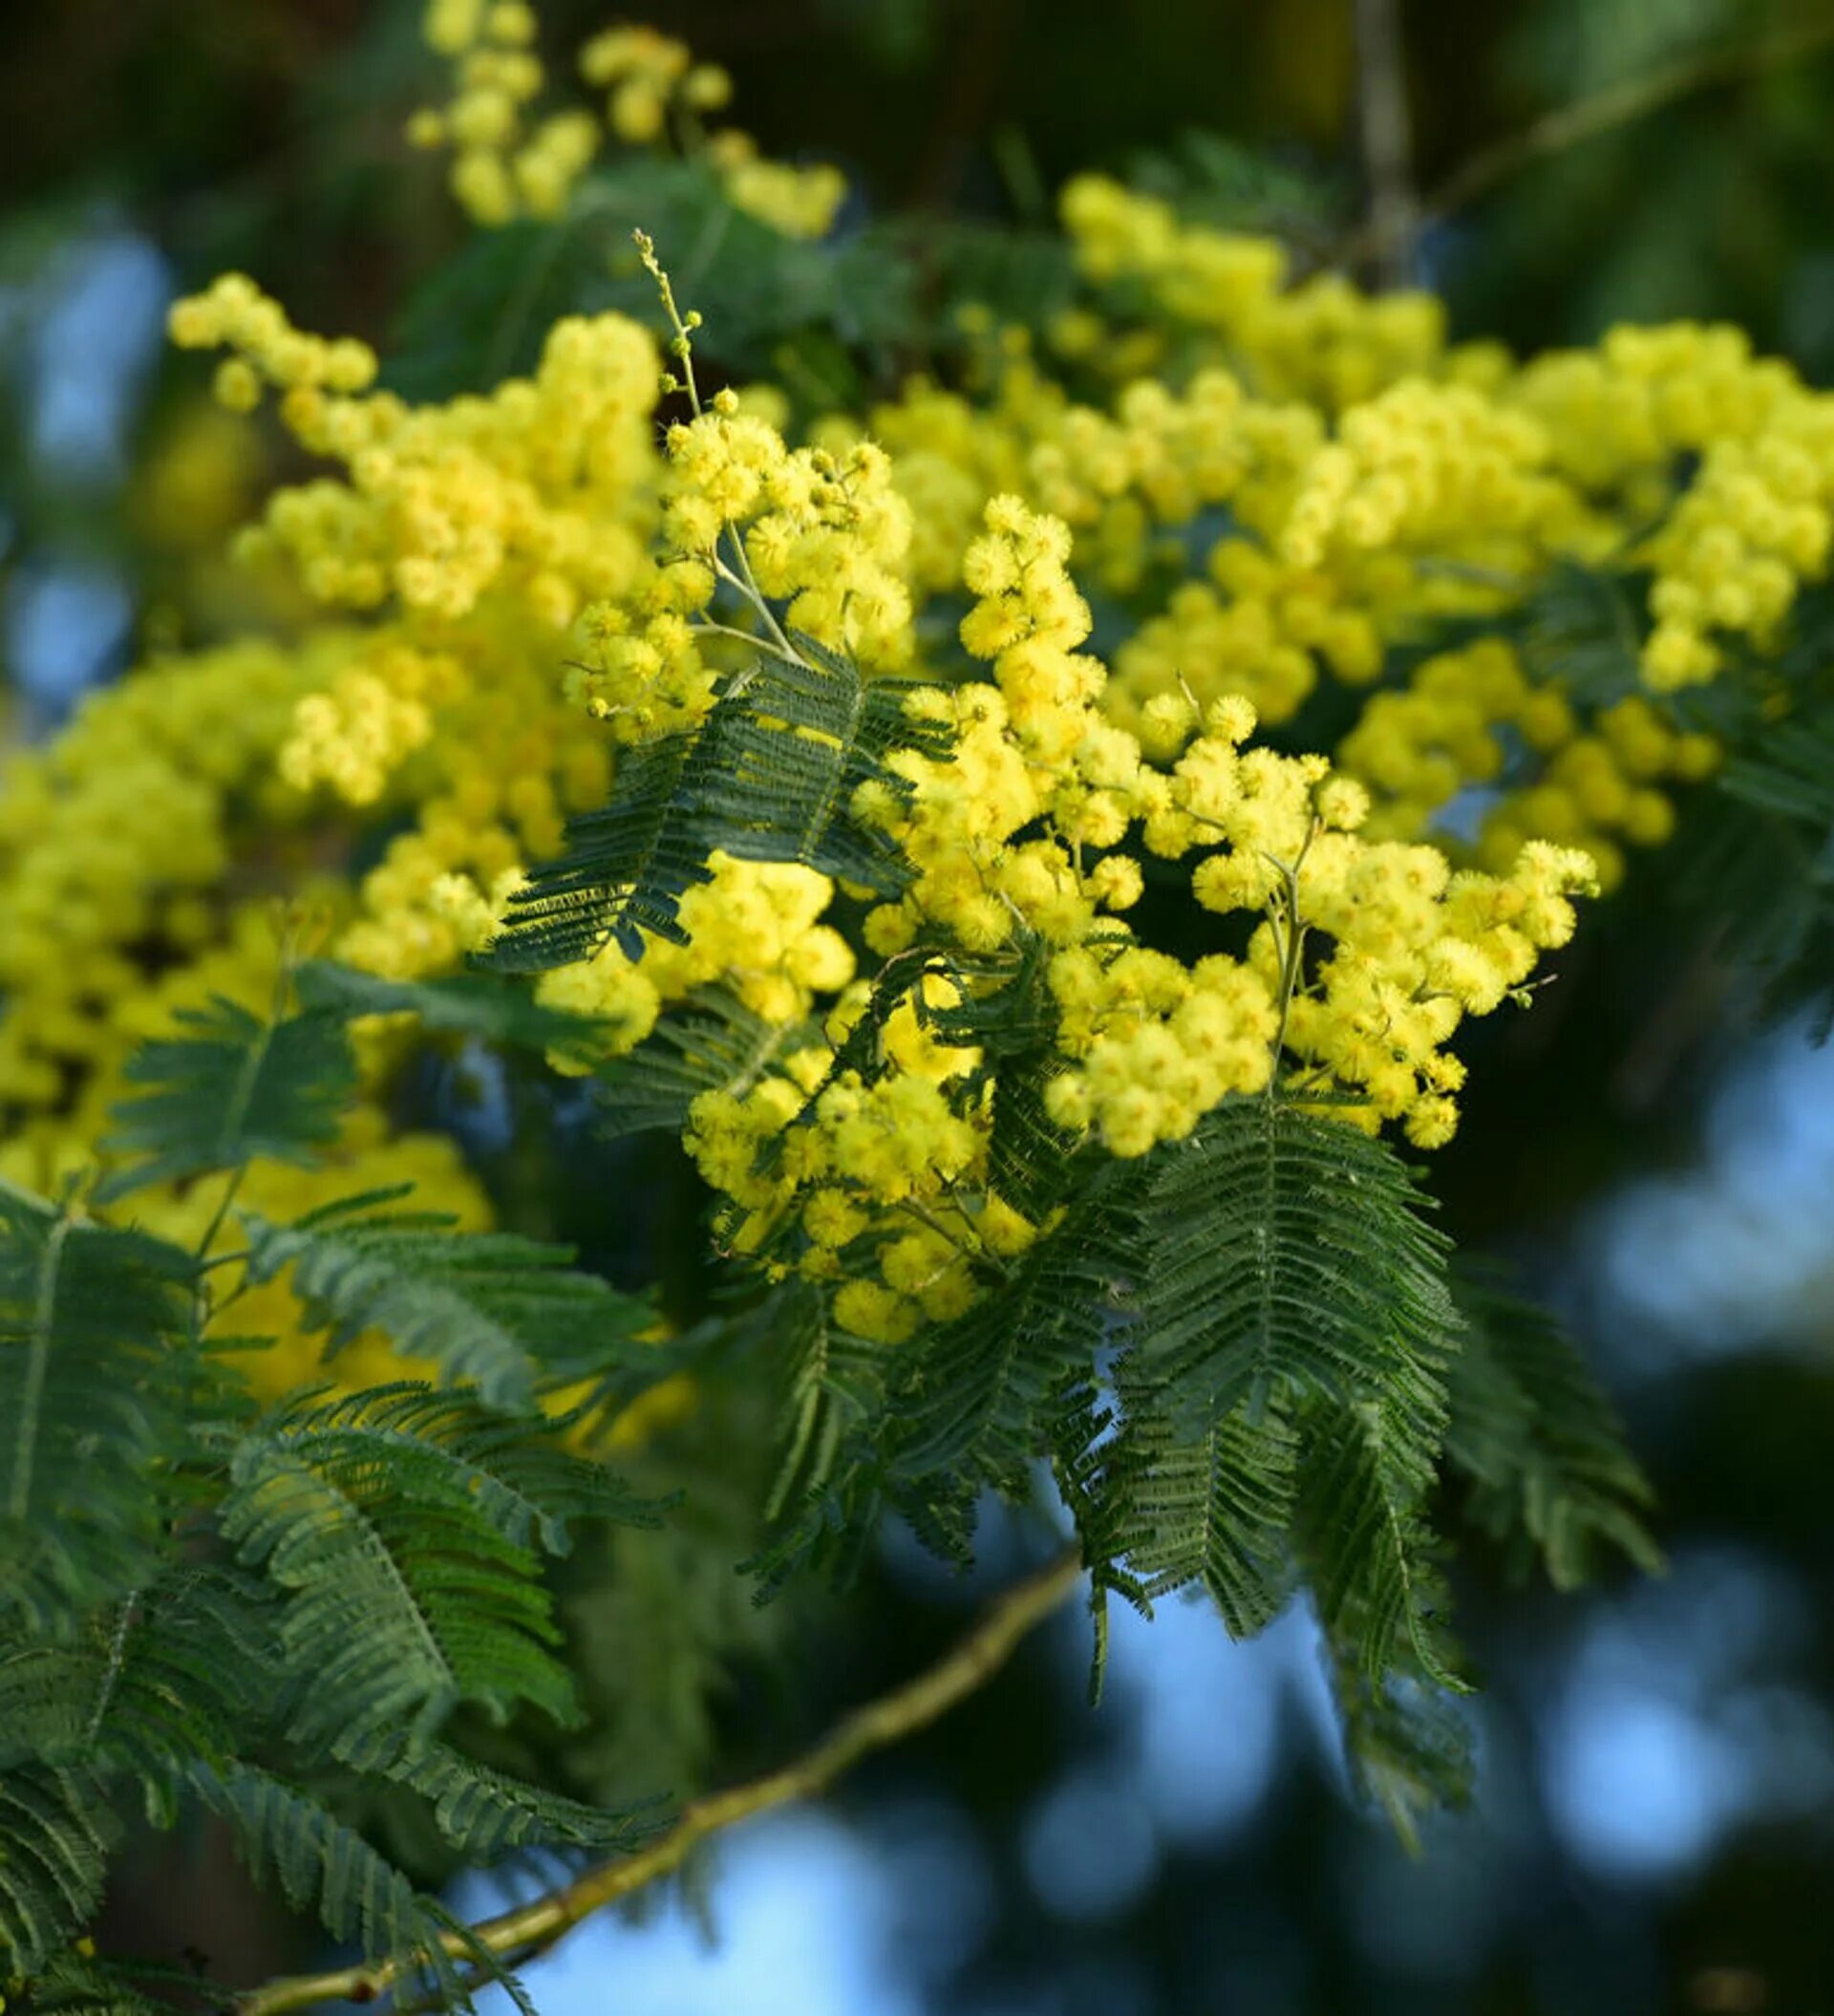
508	1316
1772	877
95	1327
231	1088
470	1004
318	1863
710	1039
1536	1440
263	1616
56	1832
1239	1358
1284	1379
768	776
482	314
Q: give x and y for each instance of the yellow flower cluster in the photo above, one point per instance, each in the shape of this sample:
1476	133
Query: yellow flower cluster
753	927
654	83
508	165
1265	487
1754	524
1260	627
530	491
503	166
1322	340
232	313
1367	959
1472	719
120	836
824	534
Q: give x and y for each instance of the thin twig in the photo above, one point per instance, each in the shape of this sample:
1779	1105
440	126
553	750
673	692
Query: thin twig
1386	138
1586	119
532	1928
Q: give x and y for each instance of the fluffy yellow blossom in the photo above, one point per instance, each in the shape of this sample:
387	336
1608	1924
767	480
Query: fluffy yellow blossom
1253	492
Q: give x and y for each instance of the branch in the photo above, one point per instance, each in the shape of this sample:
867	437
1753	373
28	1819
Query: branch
1383	121
1590	118
531	1928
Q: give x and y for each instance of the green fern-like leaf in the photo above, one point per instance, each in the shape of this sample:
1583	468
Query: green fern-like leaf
1211	1507
403	1524
1535	1435
835	1387
1407	1740
710	1039
94	1328
980	1399
1292	1278
74	1984
1365	1540
468	1004
505	1314
231	1088
1291	1260
56	1828
486	1814
320	1864
768	776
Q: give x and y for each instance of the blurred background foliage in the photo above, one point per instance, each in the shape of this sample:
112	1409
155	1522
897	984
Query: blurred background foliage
1655	1827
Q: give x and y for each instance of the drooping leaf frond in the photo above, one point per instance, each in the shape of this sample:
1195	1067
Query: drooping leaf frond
403	1524
1535	1435
836	1383
1364	1538
94	1323
1406	1738
1759	858
505	1314
231	1088
180	1670
74	1983
55	1830
1291	1259
322	1865
593	890
1211	1507
486	1814
978	1400
769	774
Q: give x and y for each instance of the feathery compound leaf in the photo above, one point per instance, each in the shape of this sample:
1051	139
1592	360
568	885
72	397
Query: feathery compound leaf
1289	1257
836	1383
1790	771
403	1523
1407	1741
504	1314
1212	1508
74	1983
470	1004
55	1832
486	1814
231	1088
594	888
1283	1380
978	1400
320	1864
768	776
170	1674
1538	1439
92	1329
1366	1546
710	1039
